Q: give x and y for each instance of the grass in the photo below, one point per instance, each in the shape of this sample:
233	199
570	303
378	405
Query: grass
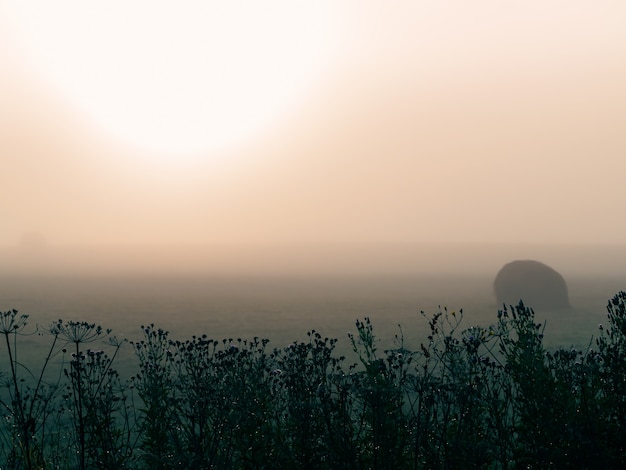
468	397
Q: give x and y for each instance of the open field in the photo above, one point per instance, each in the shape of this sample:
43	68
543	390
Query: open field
281	292
283	309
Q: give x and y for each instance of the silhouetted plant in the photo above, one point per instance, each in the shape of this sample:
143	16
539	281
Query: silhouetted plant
611	365
79	333
381	395
223	402
303	380
107	426
155	387
200	428
29	406
554	396
479	397
450	420
533	403
242	369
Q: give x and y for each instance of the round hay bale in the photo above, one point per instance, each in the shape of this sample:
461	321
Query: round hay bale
536	284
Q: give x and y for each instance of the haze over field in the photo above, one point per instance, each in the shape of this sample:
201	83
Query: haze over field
207	198
336	124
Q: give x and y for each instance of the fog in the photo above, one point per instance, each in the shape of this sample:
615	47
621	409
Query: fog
310	261
455	137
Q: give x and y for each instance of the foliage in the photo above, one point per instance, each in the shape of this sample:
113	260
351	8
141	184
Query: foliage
477	397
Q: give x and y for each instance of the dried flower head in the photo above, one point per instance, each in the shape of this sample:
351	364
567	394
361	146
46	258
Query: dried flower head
79	332
11	323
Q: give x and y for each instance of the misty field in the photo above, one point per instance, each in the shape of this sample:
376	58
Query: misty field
405	387
284	308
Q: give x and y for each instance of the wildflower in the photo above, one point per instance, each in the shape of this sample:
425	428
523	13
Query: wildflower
114	341
79	332
9	323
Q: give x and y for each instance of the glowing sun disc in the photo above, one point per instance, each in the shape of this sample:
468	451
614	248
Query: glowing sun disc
177	77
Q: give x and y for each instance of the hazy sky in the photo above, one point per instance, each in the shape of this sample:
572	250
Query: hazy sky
348	121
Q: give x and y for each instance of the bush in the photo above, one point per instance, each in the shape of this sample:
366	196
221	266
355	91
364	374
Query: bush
479	397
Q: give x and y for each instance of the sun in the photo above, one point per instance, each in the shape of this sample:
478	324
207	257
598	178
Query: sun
177	78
